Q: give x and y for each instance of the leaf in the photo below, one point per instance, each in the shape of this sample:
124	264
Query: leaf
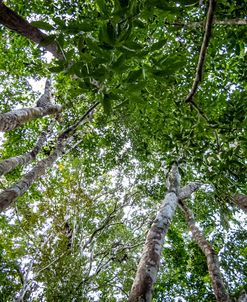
80	26
107	34
139	23
60	22
101	6
48	40
56	69
158	45
123	3
61	167
134	75
107	103
42	25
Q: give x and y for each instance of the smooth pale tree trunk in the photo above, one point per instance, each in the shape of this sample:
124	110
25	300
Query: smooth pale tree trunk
9	196
11	163
211	256
241	201
13	21
13	119
150	260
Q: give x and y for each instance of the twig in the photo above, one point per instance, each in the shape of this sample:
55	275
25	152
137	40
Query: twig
72	128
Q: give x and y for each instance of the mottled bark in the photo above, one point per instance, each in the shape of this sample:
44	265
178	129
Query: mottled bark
231	22
11	163
241	201
225	22
186	191
13	119
242	297
13	21
150	260
211	256
16	118
9	196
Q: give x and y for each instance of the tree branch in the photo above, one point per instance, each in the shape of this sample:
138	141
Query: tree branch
11	163
241	201
8	196
211	256
13	119
202	55
186	191
14	22
226	22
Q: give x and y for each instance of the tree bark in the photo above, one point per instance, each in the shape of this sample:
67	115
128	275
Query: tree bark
211	256
241	201
187	190
226	22
203	51
150	260
21	160
16	118
13	119
8	196
13	21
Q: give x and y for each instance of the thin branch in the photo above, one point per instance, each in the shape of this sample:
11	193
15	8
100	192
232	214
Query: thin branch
226	22
202	55
70	130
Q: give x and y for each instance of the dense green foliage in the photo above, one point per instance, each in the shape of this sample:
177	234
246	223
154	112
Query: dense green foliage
77	234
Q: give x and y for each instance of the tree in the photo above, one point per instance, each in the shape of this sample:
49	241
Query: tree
162	92
15	118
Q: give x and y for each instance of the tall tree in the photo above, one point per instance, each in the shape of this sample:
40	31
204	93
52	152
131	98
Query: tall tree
13	119
78	231
8	196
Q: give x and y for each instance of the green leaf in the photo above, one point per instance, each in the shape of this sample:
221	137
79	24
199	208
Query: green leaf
101	6
134	75
48	40
158	45
107	103
79	26
123	3
42	25
56	69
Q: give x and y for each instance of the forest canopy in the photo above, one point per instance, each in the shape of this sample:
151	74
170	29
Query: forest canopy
123	150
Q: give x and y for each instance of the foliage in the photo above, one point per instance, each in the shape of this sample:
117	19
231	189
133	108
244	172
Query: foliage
80	229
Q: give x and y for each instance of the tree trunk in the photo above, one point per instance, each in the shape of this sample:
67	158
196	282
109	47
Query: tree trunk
211	256
13	119
11	163
8	196
241	201
150	260
16	23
